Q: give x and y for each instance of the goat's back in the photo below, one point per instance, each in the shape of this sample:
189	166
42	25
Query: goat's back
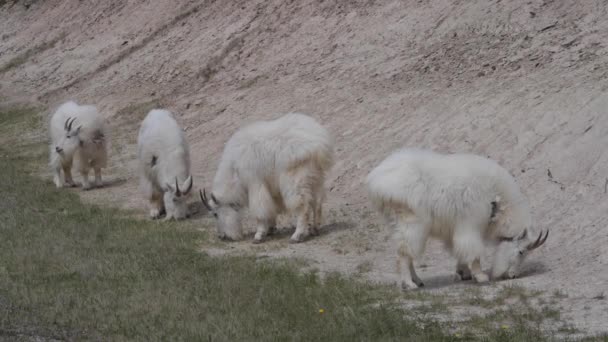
437	187
280	144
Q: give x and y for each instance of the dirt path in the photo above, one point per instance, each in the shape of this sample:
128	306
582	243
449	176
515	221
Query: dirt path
523	82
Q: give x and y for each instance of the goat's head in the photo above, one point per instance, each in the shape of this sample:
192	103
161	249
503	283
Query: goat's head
512	251
70	141
228	216
176	198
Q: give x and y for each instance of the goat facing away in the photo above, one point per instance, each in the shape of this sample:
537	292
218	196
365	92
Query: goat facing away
77	133
164	164
464	200
272	167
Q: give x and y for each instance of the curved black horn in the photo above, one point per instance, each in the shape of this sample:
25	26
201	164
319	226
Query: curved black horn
204	199
65	125
177	192
189	186
544	239
537	243
70	124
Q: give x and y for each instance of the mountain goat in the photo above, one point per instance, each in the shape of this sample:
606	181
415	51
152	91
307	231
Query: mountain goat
464	200
272	167
164	161
77	133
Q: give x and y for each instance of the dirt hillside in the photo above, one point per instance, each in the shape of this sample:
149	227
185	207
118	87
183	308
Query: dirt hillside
523	82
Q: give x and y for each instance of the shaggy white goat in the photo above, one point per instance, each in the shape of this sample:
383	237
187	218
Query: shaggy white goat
164	160
272	167
77	133
464	200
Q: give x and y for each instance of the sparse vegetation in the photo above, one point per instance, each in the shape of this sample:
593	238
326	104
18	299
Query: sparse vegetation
365	267
25	56
559	294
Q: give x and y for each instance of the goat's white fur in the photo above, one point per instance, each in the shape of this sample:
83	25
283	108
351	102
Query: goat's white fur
273	167
85	143
164	160
449	197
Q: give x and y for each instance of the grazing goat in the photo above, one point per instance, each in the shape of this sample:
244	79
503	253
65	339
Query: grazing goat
272	167
464	200
164	161
77	133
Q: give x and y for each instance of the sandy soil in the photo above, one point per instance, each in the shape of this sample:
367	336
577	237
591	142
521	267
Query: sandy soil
523	82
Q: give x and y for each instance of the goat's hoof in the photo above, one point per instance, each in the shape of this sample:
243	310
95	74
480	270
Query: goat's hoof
296	239
271	231
258	238
419	283
314	231
408	285
155	214
482	278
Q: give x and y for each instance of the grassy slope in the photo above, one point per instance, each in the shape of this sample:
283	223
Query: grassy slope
72	271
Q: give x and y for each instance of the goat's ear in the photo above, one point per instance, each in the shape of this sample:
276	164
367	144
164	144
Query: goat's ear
77	131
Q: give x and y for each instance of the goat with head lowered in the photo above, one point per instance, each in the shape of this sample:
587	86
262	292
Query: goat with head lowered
164	162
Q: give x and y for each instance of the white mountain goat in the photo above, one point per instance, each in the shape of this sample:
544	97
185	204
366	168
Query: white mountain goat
272	167
164	161
464	200
77	133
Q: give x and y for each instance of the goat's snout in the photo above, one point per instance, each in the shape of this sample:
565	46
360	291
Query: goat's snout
58	149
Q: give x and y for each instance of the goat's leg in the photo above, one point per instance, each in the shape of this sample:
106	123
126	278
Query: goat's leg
67	173
468	247
478	274
98	181
57	179
316	218
262	228
86	185
297	196
263	208
157	206
407	273
411	235
302	223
